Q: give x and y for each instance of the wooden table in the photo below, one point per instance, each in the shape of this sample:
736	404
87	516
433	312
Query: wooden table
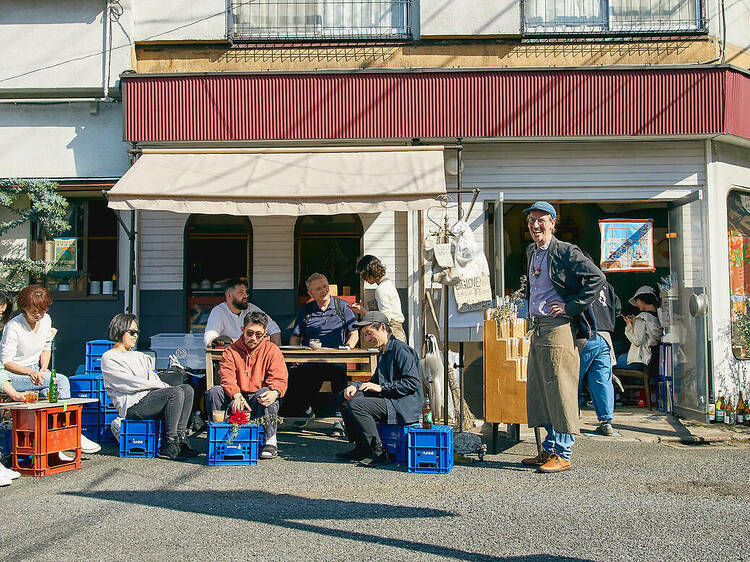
41	430
364	360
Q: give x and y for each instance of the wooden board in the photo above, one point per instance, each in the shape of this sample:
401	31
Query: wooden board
504	373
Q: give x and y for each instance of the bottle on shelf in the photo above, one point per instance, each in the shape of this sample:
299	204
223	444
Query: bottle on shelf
741	410
52	393
720	409
426	414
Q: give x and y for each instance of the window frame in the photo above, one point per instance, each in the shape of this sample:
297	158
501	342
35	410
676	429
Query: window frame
732	320
606	28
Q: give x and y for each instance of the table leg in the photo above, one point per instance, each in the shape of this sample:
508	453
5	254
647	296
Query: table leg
209	371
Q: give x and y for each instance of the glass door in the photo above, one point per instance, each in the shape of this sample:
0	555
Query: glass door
686	325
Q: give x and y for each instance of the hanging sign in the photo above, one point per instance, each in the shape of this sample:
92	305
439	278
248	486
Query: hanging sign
627	245
65	255
473	293
443	255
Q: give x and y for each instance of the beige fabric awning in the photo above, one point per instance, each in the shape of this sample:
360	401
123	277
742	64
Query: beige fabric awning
282	181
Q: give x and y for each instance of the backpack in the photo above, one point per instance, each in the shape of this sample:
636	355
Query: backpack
337	306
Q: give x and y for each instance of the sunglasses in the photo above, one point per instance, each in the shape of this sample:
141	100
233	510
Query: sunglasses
133	333
251	333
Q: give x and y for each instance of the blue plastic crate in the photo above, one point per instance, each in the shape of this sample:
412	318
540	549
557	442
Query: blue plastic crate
140	438
94	351
88	386
107	416
430	450
394	440
242	451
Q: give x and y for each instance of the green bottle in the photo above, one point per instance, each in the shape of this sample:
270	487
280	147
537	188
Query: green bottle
52	393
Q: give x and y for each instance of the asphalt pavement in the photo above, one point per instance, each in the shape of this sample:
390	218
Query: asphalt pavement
623	500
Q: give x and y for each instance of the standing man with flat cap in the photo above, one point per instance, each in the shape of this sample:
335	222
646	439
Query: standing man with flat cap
562	285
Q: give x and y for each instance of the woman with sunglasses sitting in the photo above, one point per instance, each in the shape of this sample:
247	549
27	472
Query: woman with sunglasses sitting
26	351
139	394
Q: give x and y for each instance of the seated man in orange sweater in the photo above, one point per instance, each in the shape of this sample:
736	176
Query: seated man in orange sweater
253	377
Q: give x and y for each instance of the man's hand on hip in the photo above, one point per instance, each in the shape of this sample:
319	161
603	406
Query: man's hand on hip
268	398
557	308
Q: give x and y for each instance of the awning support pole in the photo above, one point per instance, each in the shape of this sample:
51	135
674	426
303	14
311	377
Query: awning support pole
130	233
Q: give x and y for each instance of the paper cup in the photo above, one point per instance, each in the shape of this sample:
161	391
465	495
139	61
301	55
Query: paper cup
108	287
95	288
218	415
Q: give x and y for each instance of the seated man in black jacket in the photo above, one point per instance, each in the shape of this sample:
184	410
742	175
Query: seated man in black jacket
393	395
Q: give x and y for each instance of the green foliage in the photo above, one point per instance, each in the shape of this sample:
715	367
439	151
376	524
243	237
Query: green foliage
741	330
46	207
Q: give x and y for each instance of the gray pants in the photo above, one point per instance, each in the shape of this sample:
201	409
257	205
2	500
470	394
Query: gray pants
217	399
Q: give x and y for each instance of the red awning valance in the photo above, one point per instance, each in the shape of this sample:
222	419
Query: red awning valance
651	102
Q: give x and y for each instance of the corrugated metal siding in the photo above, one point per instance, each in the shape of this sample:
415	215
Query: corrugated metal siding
544	103
738	104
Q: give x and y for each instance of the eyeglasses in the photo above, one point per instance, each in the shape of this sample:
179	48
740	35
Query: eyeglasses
540	220
258	335
133	333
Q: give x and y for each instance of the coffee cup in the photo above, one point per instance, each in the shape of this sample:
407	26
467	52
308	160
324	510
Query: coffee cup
218	415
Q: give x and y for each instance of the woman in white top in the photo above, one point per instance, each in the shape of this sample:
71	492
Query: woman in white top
26	350
643	331
387	301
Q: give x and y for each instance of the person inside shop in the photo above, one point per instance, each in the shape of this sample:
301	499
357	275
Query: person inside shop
26	352
562	285
254	377
329	320
138	393
642	331
597	356
393	395
387	301
224	324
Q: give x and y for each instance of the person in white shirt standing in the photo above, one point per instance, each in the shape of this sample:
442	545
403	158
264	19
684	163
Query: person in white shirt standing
387	301
226	318
26	351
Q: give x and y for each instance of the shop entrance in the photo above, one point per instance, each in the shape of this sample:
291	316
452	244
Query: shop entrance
217	248
329	245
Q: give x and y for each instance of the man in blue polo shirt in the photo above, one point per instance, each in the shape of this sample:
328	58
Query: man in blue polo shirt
331	321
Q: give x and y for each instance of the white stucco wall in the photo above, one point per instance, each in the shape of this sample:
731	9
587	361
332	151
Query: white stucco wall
62	140
456	18
61	44
728	169
180	20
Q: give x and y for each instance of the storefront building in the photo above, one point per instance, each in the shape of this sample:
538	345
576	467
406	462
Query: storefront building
649	132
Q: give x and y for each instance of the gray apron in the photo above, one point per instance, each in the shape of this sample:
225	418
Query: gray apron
552	375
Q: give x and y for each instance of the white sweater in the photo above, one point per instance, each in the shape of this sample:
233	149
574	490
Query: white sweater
643	332
21	345
128	377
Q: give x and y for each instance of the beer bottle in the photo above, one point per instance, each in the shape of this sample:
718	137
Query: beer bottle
426	414
720	409
711	413
728	411
52	393
741	410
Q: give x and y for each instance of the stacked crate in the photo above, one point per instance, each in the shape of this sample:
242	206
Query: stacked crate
98	415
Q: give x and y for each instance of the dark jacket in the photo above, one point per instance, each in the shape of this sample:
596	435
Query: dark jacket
398	373
576	279
606	308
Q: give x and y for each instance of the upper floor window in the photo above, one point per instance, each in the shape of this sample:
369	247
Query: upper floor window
319	19
617	17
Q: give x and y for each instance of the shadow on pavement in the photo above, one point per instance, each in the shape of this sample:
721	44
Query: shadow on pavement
295	512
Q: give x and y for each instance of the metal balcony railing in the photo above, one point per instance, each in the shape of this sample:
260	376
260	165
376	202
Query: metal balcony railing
252	20
613	17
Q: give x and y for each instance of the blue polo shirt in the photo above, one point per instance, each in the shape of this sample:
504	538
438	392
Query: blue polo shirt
312	323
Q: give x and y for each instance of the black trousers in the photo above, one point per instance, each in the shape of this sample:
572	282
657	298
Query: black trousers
361	413
173	404
305	381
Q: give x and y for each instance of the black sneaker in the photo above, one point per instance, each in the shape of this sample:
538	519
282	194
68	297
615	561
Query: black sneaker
186	449
605	428
376	459
170	448
309	414
356	454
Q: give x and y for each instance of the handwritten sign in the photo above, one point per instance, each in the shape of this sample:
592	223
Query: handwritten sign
473	293
443	255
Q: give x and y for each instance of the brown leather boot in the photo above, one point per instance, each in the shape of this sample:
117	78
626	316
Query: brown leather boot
555	464
538	460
